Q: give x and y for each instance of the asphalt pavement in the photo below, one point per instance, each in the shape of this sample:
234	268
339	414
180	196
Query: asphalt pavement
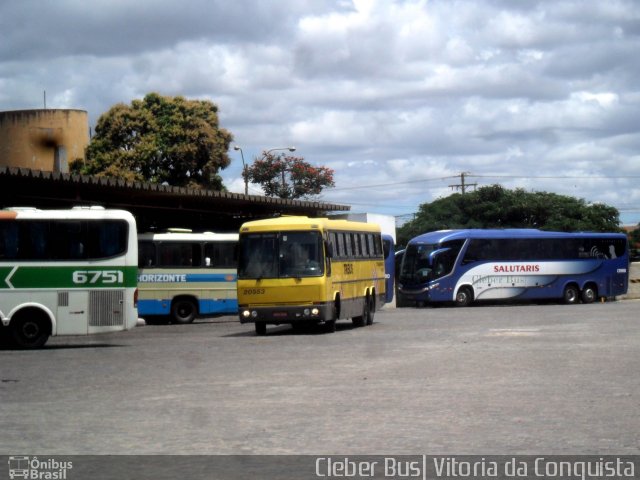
496	379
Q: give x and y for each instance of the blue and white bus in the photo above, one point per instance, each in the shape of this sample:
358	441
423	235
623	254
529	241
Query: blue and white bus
463	266
186	275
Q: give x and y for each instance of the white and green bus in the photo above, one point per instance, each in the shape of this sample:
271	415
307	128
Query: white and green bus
66	272
185	275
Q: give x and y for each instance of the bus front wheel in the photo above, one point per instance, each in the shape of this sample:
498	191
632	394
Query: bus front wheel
183	310
261	328
464	297
30	329
571	294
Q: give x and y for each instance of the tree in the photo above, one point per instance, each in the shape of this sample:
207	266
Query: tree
634	243
497	207
286	176
160	139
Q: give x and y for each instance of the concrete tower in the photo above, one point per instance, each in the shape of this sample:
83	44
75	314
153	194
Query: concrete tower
48	139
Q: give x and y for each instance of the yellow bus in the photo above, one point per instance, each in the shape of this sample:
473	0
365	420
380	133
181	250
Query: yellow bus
301	270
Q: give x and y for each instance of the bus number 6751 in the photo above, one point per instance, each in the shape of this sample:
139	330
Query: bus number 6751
97	276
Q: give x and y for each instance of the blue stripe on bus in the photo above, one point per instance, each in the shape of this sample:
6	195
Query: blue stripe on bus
154	307
219	306
208	306
211	277
186	278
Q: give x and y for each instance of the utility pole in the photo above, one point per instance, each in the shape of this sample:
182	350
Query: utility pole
462	185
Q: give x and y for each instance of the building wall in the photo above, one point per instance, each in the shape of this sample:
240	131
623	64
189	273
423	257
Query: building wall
48	139
387	222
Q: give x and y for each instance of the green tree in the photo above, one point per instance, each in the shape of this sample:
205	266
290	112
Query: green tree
497	207
286	176
160	139
634	242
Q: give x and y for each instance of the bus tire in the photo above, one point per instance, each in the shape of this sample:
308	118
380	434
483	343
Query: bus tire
464	297
30	328
261	328
183	310
589	294
330	326
361	320
571	294
372	309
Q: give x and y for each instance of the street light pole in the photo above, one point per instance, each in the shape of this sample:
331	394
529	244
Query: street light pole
244	170
291	149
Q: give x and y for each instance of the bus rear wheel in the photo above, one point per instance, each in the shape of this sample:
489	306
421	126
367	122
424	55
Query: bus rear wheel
372	310
183	310
589	294
30	329
361	320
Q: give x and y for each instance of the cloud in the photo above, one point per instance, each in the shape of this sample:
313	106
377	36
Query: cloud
404	95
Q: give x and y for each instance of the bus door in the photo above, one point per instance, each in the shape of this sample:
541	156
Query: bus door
73	307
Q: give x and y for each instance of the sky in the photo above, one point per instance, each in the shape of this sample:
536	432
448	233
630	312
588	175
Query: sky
398	97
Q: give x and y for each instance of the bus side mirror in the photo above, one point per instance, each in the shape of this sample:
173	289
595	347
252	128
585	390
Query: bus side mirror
433	254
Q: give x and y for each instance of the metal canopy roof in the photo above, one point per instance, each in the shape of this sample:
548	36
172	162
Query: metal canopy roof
154	206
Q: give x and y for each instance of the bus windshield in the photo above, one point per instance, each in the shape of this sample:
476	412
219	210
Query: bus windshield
423	262
281	255
416	263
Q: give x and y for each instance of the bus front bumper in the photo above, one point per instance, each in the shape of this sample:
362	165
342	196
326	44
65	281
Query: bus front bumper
418	294
286	314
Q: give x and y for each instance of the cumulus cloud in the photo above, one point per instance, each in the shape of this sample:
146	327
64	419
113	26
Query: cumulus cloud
399	97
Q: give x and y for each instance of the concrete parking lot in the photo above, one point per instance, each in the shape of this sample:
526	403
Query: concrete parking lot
510	379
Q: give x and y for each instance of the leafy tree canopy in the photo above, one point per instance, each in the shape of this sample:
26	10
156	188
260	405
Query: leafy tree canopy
160	139
497	207
286	176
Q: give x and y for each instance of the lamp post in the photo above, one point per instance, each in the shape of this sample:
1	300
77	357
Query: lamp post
244	170
291	149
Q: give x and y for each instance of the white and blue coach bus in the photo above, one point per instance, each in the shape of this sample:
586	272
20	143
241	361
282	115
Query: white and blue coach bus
463	266
186	275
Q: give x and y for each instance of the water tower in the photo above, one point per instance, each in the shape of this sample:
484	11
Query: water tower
47	139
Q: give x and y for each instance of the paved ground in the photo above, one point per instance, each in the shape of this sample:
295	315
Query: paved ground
548	379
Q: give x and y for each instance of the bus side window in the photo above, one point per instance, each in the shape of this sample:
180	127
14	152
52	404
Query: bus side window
146	254
221	254
8	240
340	251
68	240
111	238
178	254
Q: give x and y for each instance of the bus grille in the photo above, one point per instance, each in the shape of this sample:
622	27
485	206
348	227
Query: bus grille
106	308
63	299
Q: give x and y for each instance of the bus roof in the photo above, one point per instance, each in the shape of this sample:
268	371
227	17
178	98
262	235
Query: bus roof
189	237
307	223
448	235
76	213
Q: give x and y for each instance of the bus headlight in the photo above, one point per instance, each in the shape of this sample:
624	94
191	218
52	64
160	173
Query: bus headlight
307	312
246	313
254	314
315	311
